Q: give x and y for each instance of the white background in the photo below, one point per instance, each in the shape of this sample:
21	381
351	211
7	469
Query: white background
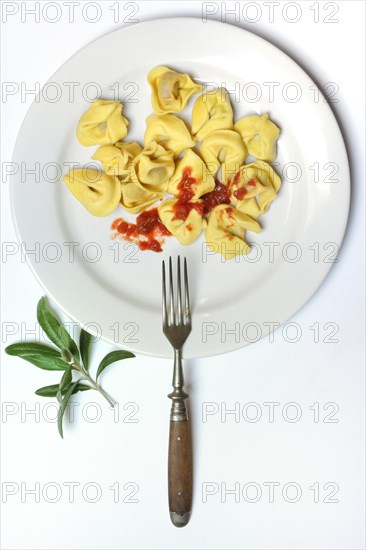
115	451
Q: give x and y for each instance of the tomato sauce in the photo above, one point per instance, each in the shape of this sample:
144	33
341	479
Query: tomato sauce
148	222
182	209
148	233
235	179
185	191
240	193
220	195
183	206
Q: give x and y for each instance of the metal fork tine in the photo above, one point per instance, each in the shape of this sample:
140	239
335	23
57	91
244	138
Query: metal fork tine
176	309
186	294
171	293
179	295
165	311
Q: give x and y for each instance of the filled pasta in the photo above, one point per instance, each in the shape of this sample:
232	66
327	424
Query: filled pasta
170	132
170	90
148	177
212	111
102	123
225	232
191	177
98	192
136	198
226	148
260	136
115	159
254	187
153	167
184	220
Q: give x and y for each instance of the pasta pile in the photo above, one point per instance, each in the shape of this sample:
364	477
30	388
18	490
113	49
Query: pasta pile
202	168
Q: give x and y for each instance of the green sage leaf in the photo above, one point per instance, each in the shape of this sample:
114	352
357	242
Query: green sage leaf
74	350
66	379
39	355
51	391
54	329
82	387
112	358
84	344
48	391
63	405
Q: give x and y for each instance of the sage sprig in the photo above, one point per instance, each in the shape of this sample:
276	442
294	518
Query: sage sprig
68	358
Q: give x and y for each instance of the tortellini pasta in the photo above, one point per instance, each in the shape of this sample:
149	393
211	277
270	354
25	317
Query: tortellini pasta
170	90
186	228
223	147
148	177
212	111
102	123
98	192
191	174
254	187
259	135
170	132
136	198
225	231
153	167
115	159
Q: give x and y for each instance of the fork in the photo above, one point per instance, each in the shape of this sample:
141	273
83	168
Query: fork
177	327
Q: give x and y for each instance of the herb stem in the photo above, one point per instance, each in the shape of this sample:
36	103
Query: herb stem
86	376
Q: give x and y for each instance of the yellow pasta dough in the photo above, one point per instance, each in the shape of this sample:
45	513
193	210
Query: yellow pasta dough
191	173
115	159
136	198
170	90
102	123
153	167
254	187
260	136
170	132
148	177
97	192
187	230
225	231
223	147
212	111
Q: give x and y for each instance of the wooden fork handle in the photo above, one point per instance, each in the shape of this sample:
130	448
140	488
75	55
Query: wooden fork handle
180	472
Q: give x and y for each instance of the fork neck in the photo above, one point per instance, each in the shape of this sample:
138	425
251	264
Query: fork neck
178	378
178	411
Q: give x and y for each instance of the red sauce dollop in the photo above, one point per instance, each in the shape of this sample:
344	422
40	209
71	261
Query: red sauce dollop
240	193
182	209
185	191
235	179
220	195
183	206
148	233
149	222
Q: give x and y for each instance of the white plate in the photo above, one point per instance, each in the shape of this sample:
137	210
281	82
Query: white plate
234	303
